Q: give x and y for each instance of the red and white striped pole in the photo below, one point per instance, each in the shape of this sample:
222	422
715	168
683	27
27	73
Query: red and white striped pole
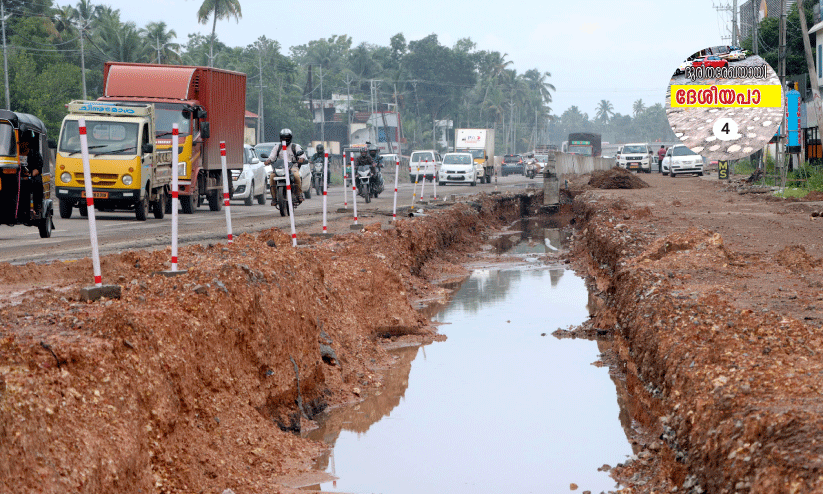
396	174
435	180
175	197
325	187
287	167
95	253
345	186
226	188
416	178
353	186
423	185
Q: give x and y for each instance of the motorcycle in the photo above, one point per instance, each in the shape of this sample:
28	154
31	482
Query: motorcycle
278	192
363	180
317	176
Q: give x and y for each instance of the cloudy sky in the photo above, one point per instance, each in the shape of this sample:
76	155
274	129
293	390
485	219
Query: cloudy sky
618	50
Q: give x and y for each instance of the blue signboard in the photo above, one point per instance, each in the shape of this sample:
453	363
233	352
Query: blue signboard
793	120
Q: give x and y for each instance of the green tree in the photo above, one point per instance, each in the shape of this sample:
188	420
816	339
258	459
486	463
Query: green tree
638	107
604	111
160	38
217	9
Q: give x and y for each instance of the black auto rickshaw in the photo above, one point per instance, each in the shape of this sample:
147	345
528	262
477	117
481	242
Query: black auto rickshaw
19	205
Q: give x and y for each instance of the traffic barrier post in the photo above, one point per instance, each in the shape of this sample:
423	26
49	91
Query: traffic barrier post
95	253
175	198
353	187
345	185
435	180
423	184
287	167
226	188
396	174
325	187
416	178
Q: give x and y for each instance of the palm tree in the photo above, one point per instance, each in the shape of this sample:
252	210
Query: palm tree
217	9
604	111
157	37
638	107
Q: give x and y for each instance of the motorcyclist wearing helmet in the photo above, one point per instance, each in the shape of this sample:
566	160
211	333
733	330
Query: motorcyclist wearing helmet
319	156
296	156
365	160
374	154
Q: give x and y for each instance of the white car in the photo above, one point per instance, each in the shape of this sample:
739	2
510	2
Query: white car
251	182
734	55
680	159
458	168
638	157
424	164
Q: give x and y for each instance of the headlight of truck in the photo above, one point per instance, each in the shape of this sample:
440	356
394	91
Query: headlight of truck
65	177
127	180
181	169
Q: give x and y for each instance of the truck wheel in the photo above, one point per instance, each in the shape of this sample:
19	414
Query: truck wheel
141	208
46	224
158	207
84	209
191	202
250	198
214	200
65	208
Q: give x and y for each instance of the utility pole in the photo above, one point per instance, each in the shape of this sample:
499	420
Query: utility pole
348	81
735	40
322	111
82	59
755	24
5	56
311	102
261	124
399	122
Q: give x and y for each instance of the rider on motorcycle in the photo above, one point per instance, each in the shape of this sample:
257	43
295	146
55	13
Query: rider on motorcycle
374	154
296	156
319	156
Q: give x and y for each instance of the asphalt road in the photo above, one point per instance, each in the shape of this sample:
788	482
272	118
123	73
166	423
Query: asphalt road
120	231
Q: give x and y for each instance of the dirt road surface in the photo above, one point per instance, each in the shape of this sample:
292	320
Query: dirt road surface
202	382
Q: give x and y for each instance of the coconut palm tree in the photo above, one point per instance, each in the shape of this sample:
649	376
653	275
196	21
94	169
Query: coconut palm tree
159	38
604	111
638	107
217	9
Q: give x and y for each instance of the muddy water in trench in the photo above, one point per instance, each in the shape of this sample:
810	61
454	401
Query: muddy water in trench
495	408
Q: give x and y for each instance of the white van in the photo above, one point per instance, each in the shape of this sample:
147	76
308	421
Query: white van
424	164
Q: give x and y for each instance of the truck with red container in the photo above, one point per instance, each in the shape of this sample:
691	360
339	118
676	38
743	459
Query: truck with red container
208	104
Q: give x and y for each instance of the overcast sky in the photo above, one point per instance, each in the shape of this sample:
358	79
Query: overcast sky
618	50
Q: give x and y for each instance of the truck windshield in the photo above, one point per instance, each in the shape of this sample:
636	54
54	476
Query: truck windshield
104	137
584	150
8	144
476	153
167	115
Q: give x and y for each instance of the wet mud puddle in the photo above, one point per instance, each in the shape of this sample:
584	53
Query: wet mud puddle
497	407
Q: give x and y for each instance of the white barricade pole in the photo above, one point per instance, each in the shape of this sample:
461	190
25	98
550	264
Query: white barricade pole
175	198
416	178
396	174
423	184
353	186
95	253
435	180
325	187
345	185
287	166
226	188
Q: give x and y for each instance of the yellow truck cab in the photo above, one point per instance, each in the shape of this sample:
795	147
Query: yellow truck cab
127	170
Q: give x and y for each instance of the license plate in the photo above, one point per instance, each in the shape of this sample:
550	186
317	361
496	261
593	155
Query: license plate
96	195
634	165
454	177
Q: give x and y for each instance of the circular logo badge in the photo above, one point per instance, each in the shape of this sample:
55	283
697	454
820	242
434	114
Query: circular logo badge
724	103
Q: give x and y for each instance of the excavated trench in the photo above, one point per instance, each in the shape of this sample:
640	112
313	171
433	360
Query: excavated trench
209	380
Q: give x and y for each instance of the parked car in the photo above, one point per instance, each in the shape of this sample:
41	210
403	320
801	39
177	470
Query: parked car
710	61
638	157
734	55
423	164
458	168
252	181
681	69
263	151
680	159
512	165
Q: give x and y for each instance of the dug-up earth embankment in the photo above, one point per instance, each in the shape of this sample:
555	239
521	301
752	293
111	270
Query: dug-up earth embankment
202	382
713	298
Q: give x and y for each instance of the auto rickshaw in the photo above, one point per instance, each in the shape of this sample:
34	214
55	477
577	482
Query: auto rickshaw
17	205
